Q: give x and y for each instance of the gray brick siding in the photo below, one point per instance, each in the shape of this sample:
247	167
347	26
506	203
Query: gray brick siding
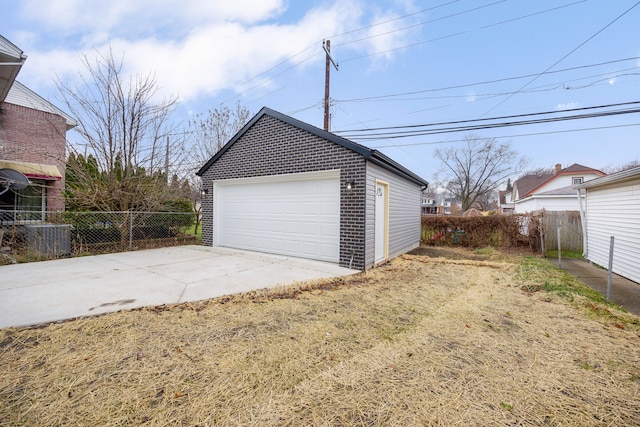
273	147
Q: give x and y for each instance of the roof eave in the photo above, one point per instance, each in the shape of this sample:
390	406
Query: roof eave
614	178
11	60
369	154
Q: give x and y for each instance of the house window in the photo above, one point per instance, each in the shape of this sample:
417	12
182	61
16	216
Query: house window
24	205
577	180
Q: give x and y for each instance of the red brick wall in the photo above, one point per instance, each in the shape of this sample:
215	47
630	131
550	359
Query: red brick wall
28	135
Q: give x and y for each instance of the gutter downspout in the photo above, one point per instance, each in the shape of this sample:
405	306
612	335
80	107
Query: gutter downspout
585	250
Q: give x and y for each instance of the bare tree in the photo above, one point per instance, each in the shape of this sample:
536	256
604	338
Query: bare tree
477	168
539	171
211	130
613	169
123	129
487	202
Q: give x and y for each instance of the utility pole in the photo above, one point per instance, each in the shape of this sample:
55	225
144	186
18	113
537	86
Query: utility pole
326	45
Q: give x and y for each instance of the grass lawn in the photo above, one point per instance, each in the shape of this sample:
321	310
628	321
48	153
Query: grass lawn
192	231
437	337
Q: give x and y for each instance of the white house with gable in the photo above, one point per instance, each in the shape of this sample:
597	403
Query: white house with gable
551	191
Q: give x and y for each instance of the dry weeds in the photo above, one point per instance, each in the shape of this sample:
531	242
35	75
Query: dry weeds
419	341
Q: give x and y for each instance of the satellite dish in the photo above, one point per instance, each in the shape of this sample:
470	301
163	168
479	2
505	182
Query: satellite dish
11	179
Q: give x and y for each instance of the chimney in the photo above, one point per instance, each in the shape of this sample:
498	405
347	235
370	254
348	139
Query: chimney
558	168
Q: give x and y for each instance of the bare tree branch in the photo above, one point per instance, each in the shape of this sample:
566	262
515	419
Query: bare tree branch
118	161
478	168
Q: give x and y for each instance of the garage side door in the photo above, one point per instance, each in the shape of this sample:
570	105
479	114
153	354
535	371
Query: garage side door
296	214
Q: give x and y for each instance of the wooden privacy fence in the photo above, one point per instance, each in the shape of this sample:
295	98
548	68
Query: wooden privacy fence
570	226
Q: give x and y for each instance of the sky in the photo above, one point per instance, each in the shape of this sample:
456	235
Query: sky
404	65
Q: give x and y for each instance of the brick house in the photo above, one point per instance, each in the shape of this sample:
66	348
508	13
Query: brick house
283	186
32	139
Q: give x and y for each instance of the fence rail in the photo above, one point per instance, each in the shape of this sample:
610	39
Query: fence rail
36	235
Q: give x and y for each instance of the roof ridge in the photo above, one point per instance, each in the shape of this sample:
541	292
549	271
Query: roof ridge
368	153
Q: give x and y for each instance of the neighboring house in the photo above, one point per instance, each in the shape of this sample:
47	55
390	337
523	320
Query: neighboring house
32	139
429	206
449	206
283	186
612	208
440	205
505	205
551	191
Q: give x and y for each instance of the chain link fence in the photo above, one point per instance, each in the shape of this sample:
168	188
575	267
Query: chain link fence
36	235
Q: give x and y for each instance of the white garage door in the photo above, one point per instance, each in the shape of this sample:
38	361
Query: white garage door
294	214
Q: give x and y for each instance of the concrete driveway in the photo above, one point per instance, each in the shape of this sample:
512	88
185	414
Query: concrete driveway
51	291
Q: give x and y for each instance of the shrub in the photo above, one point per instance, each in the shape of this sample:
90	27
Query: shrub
494	230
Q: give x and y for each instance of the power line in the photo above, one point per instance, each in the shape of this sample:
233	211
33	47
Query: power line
289	58
411	144
443	130
391	20
405	46
386	33
421	23
544	88
486	82
450	35
533	14
564	57
539	113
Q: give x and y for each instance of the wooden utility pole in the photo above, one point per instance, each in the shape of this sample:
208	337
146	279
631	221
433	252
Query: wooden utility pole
326	45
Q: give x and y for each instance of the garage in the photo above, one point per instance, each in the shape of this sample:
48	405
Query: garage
612	209
291	214
286	187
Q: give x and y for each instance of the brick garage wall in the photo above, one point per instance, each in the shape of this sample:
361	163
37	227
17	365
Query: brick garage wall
29	135
273	147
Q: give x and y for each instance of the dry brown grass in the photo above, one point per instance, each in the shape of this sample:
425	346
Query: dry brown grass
419	341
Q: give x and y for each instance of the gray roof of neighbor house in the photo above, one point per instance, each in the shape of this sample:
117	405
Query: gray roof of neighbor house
372	155
563	191
11	60
528	183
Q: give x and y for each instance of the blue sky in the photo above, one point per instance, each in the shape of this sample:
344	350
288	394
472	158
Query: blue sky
401	63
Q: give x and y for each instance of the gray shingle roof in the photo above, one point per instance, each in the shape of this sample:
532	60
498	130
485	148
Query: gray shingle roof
372	155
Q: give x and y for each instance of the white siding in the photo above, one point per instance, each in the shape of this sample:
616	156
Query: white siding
21	95
566	180
615	211
550	203
404	213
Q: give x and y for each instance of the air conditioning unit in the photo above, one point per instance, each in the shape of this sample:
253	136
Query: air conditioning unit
49	240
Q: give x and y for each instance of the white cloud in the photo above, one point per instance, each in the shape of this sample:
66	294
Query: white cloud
208	58
199	48
139	16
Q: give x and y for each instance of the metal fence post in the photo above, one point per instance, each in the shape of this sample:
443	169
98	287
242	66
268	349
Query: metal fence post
559	250
542	225
610	268
130	230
